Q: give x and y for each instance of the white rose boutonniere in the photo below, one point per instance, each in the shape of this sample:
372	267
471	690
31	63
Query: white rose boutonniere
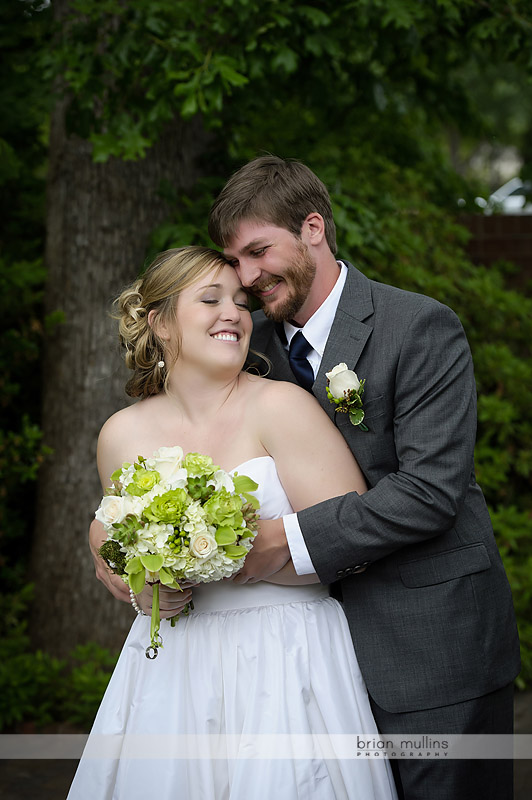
345	391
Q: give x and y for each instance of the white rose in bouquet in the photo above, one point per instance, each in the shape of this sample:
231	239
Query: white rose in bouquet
113	509
203	545
167	462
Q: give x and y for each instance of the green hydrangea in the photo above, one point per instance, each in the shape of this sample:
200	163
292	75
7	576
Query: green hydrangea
224	509
196	464
168	507
143	481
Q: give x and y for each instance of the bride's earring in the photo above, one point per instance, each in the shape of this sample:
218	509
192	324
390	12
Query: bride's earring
161	364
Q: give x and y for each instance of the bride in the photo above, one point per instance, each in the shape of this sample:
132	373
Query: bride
257	692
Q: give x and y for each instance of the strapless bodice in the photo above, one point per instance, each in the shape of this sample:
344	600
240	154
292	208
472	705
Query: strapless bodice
225	595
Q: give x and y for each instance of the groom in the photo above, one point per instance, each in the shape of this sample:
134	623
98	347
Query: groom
423	585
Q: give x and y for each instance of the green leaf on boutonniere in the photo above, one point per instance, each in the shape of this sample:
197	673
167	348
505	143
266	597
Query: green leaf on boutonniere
356	416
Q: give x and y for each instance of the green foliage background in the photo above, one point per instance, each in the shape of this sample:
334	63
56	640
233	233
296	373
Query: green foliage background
368	94
23	143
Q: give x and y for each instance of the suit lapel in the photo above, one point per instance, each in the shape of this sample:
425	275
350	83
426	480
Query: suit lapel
277	354
348	334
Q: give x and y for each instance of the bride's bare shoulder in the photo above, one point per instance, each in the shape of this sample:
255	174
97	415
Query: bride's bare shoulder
278	396
123	436
126	421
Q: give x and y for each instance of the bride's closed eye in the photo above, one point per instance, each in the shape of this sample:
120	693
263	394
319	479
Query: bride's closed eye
240	304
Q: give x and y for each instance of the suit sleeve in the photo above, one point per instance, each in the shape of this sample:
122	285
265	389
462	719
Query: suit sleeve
434	418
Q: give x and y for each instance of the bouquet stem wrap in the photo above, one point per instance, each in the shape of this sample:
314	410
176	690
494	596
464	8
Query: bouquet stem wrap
155	636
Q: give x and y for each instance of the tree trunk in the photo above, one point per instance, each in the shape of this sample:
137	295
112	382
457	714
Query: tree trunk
99	220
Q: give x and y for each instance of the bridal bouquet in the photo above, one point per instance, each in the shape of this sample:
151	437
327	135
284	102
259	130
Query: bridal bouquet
172	518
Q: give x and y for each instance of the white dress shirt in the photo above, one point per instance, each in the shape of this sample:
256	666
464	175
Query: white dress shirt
316	332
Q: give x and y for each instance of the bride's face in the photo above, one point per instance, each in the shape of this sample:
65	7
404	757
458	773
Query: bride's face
214	321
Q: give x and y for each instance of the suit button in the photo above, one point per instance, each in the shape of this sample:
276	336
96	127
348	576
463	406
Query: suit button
360	568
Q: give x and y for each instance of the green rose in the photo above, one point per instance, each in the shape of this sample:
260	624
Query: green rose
168	507
197	465
143	481
224	509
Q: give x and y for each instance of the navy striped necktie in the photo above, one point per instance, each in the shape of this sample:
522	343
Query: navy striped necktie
297	356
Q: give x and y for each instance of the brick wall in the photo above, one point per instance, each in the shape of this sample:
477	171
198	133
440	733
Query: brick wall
502	237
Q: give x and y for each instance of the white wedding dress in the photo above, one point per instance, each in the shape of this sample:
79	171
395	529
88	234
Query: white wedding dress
256	695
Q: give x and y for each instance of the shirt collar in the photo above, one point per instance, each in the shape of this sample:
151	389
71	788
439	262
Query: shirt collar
316	330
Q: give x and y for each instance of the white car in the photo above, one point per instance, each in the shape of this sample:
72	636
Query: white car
513	197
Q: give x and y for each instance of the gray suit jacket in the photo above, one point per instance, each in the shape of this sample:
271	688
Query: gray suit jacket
424	588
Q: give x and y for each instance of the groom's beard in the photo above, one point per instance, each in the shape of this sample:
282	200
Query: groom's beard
298	277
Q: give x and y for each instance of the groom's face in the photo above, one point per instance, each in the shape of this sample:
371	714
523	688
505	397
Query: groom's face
273	265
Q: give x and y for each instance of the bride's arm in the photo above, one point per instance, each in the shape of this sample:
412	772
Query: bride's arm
112	582
112	451
312	458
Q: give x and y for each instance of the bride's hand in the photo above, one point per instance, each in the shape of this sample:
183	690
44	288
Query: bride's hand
171	601
269	553
112	582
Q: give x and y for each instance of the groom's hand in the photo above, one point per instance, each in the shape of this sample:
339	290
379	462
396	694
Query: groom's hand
269	553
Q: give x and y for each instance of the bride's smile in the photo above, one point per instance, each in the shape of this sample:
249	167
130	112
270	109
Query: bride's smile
211	327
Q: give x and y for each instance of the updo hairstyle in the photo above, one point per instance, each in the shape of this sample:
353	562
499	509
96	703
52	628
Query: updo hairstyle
158	289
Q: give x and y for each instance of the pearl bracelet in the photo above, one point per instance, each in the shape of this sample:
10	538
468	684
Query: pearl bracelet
134	603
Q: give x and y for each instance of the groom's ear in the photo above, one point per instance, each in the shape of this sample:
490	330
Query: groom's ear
313	229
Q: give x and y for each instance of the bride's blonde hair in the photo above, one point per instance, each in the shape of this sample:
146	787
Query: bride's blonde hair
157	290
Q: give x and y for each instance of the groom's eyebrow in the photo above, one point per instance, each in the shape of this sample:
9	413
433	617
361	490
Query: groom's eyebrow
251	245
